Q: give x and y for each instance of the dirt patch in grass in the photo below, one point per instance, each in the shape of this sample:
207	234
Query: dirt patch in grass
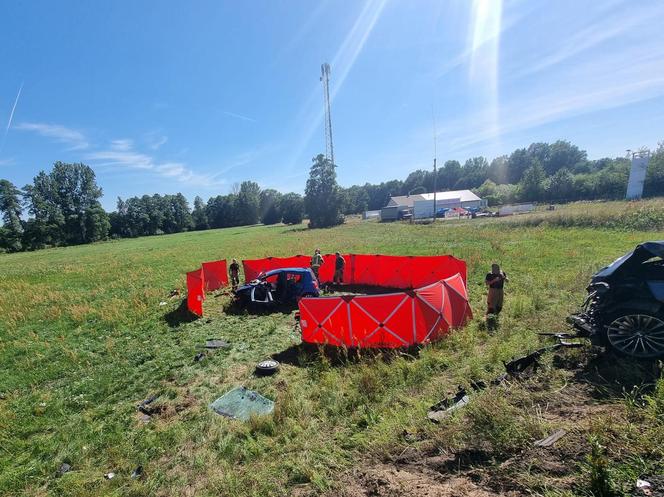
383	480
429	467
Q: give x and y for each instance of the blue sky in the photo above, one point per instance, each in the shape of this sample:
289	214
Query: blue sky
165	96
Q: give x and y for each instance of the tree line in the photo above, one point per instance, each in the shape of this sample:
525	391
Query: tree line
62	207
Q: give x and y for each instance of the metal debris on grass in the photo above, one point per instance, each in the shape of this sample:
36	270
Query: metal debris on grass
64	468
216	343
551	439
109	476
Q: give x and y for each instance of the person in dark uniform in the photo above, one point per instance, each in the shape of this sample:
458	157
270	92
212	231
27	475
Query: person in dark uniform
495	281
339	265
234	273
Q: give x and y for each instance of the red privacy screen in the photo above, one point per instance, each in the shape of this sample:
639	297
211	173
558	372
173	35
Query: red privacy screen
195	291
390	320
390	271
210	277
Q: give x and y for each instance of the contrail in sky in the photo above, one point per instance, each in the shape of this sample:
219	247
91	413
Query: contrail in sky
11	117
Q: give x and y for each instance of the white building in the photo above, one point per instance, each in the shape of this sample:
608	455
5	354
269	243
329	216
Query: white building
423	206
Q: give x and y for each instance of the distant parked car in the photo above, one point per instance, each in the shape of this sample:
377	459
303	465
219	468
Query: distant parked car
625	303
278	287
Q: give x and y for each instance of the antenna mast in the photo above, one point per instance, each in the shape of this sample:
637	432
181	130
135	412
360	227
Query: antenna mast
325	78
435	155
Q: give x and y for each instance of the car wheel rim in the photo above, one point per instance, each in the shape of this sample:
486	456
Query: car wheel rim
638	335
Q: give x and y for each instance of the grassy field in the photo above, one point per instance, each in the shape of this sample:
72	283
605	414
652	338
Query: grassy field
83	339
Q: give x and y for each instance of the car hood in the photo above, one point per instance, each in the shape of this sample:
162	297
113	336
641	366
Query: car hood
641	253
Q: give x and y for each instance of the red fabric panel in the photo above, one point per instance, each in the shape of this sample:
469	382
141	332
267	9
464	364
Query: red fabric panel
325	320
390	320
425	270
371	269
381	320
458	295
215	275
195	292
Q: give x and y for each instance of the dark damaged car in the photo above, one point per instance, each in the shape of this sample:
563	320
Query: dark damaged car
625	304
279	287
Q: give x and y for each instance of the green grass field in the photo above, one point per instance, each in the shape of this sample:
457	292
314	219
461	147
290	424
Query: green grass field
83	339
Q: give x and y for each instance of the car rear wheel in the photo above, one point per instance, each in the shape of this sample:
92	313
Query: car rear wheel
637	334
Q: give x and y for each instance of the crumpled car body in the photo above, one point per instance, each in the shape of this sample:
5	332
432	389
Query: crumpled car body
625	305
278	287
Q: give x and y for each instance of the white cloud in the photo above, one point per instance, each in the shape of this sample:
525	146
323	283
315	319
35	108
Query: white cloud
594	35
75	139
122	153
556	104
155	140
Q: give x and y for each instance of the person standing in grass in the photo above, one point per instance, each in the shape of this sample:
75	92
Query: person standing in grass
234	273
316	263
495	281
339	265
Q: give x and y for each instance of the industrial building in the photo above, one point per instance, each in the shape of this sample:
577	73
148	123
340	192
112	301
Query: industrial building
420	206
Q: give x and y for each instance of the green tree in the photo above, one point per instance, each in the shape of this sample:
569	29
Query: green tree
473	173
248	203
563	155
322	200
270	206
517	164
498	170
10	207
292	208
449	175
66	206
654	184
560	186
531	184
222	211
199	214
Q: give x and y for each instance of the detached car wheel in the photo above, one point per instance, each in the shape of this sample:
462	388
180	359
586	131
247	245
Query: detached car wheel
637	334
267	367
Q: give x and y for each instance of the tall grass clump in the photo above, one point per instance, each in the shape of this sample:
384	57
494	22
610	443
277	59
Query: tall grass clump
647	215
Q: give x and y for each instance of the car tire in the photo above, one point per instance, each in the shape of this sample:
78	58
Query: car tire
267	367
635	333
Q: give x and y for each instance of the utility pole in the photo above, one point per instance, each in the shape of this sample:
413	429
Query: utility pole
435	187
325	78
435	174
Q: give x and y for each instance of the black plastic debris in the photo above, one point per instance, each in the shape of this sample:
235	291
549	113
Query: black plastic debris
144	406
137	473
551	439
442	409
199	357
530	362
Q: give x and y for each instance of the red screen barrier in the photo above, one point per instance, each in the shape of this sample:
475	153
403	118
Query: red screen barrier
390	320
215	275
390	271
195	291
